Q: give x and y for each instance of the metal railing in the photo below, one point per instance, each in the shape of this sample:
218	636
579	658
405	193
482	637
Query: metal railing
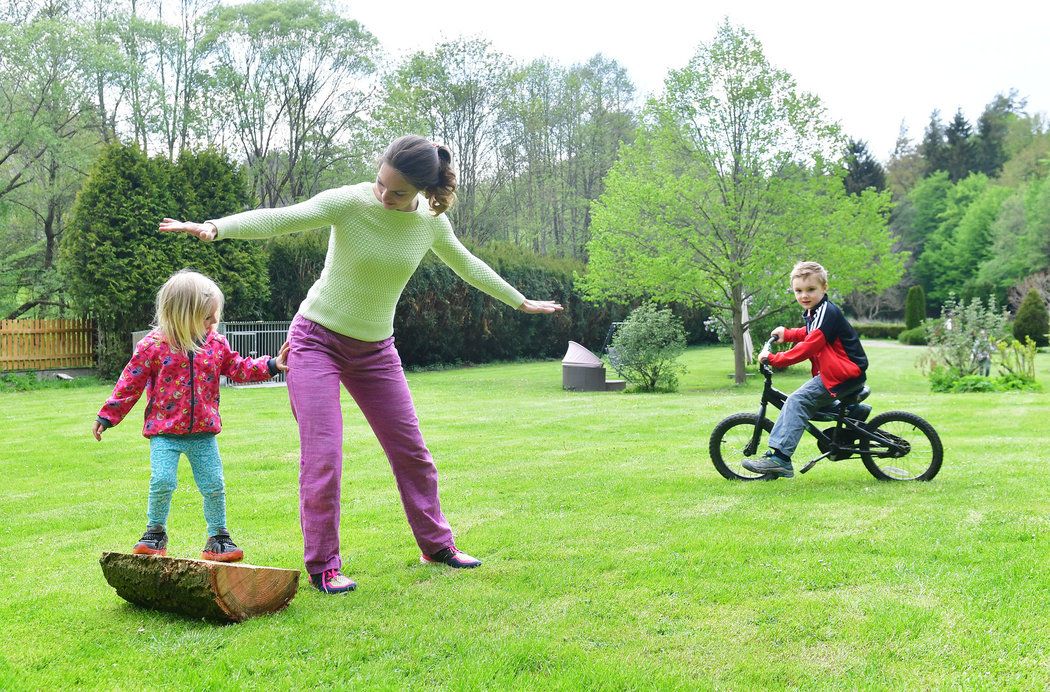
255	339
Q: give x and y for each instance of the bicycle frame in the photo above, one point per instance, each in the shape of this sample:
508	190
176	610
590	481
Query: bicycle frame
881	444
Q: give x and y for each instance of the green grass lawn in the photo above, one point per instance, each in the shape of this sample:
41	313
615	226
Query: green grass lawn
615	555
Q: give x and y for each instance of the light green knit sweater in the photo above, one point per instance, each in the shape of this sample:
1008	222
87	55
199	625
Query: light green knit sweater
372	253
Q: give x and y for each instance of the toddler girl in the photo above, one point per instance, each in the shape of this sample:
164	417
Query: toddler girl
178	366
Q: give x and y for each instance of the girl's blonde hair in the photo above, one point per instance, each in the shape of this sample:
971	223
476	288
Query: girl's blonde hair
184	302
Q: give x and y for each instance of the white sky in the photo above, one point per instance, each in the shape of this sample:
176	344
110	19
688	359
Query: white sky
873	64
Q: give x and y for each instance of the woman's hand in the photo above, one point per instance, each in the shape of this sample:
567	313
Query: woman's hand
281	361
540	307
201	231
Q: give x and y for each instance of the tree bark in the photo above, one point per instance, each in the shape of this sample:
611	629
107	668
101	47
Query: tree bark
216	591
739	366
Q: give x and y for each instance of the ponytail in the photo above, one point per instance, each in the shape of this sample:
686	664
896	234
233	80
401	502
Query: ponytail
442	195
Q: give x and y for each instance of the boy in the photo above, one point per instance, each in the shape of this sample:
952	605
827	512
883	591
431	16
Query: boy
839	362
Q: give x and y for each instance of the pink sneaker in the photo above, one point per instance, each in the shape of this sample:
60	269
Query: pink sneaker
451	556
332	581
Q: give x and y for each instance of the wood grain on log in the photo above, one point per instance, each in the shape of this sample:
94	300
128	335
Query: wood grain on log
218	591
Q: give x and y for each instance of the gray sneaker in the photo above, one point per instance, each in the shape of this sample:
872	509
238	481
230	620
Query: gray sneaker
153	542
770	464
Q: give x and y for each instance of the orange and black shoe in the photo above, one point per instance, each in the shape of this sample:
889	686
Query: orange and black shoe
153	542
221	548
451	556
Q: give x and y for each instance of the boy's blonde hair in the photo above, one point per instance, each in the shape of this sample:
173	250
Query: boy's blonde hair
184	302
803	269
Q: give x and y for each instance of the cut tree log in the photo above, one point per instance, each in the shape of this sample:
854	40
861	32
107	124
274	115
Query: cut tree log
217	591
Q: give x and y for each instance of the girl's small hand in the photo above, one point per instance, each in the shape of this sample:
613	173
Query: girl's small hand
201	231
539	307
281	361
97	430
779	334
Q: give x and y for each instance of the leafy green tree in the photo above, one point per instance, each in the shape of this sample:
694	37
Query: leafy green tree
114	259
564	127
928	200
940	268
454	93
1032	320
292	88
914	307
712	216
45	145
863	170
974	238
1020	237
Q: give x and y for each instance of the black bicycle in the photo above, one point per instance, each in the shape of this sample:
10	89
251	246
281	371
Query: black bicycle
894	446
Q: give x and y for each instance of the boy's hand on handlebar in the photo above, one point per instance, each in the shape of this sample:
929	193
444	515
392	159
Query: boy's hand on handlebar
763	356
779	334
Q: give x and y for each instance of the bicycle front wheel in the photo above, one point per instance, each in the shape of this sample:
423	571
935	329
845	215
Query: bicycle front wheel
728	442
903	447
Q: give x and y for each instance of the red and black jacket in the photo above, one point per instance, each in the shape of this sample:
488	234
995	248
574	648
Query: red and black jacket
831	343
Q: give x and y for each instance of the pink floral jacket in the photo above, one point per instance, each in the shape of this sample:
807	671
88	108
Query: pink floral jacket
182	392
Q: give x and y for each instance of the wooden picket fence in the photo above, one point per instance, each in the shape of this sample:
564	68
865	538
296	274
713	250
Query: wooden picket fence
46	344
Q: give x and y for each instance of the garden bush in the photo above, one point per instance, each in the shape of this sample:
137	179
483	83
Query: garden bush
646	348
954	338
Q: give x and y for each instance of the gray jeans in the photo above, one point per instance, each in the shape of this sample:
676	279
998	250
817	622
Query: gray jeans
791	423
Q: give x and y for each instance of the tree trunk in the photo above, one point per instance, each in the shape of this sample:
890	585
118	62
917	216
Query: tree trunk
738	335
199	588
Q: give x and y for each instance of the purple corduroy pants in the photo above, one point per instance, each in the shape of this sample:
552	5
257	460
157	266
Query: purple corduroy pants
320	360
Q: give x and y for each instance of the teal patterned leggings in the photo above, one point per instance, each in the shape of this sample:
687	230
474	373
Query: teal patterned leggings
203	452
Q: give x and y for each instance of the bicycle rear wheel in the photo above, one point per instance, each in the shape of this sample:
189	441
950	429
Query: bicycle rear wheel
728	440
906	448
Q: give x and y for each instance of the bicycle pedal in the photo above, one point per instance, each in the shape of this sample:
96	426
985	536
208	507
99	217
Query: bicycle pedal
807	467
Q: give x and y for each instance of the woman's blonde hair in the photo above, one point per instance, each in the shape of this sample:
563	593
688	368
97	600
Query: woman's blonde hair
184	302
427	167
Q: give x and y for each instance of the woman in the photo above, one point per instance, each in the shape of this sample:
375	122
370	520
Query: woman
342	334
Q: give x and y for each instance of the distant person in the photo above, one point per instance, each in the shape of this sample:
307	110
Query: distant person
178	365
839	364
342	334
981	353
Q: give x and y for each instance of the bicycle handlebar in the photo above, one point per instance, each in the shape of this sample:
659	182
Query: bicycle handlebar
764	367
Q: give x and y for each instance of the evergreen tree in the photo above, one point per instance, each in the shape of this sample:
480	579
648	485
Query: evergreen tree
914	307
933	148
993	127
114	259
862	169
1032	319
959	156
211	186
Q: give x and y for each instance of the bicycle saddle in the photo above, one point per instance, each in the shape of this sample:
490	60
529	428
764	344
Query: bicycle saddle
850	401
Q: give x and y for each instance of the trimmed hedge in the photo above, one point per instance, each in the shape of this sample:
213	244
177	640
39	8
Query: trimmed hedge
913	337
879	330
441	319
